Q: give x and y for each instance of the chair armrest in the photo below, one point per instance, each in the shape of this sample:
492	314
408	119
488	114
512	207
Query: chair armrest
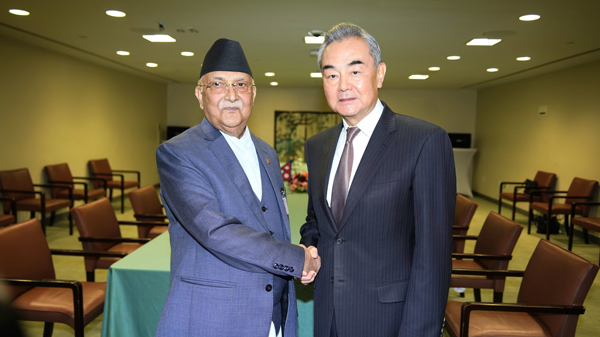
569	197
13	204
116	240
144	223
482	256
130	171
87	253
575	204
488	272
92	179
464	237
42	194
468	307
162	216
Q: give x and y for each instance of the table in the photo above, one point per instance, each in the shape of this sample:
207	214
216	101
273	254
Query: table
137	287
463	164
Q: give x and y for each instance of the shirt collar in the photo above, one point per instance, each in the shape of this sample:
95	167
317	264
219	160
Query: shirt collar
367	125
246	138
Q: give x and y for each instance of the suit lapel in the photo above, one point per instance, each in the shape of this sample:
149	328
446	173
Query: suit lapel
232	167
326	160
374	153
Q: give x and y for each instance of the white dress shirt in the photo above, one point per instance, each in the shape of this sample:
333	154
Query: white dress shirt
245	152
359	144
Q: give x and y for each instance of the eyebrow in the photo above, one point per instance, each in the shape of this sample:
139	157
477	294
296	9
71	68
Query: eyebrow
355	62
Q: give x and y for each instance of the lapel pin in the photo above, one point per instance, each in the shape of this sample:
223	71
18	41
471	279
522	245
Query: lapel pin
268	162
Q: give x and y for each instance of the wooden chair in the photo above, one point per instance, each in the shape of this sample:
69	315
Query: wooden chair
544	180
586	223
99	231
100	168
17	184
147	207
580	190
61	174
9	206
493	250
463	214
550	300
34	292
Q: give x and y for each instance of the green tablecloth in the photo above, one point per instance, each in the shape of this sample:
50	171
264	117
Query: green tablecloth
138	285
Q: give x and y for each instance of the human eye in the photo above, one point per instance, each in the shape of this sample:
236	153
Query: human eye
216	84
241	84
331	76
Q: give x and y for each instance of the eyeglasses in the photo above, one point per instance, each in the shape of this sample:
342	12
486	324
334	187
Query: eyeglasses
221	87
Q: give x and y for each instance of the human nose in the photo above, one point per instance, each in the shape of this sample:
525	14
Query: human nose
344	83
230	93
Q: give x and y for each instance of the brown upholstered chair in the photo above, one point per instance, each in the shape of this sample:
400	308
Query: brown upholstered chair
544	180
100	168
10	205
580	190
61	174
554	286
34	292
586	223
463	214
493	250
17	184
99	231
147	207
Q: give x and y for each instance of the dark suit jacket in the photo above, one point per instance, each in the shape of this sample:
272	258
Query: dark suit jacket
386	271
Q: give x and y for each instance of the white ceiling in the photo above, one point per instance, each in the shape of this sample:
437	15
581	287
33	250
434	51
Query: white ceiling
413	35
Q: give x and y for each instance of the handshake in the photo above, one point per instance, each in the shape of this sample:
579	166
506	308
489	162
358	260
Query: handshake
312	264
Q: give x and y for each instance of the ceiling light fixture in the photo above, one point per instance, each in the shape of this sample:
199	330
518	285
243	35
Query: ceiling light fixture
274	84
529	17
123	53
418	77
453	58
115	14
434	68
187	53
483	42
315	36
492	70
523	58
316	75
269	74
19	12
159	38
151	65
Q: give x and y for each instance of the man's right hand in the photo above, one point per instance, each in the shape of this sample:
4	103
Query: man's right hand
312	264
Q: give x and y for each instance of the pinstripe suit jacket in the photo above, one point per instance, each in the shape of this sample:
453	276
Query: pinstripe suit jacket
386	271
222	254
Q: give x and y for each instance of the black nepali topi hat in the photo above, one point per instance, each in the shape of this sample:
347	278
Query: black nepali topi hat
225	55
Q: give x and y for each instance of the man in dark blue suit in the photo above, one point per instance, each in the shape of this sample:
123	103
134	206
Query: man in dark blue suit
381	203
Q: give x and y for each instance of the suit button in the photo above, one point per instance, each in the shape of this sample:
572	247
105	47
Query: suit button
286	268
339	240
268	288
276	266
331	279
264	209
281	267
291	269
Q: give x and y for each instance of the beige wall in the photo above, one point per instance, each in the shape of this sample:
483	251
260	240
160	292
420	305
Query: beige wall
57	109
514	142
453	110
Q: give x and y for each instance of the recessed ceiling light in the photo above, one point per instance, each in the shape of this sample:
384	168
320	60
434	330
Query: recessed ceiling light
187	53
269	74
418	77
316	75
434	68
19	12
123	52
529	17
115	14
523	58
483	42
453	58
151	65
274	84
159	38
314	39
492	70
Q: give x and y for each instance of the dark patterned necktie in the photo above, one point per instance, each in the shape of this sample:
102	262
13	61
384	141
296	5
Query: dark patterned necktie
342	177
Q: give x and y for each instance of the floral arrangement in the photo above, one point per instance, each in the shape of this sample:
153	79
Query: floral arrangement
299	182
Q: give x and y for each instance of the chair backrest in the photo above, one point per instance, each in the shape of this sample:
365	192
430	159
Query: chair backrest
96	219
555	276
582	187
24	254
498	236
463	214
18	179
58	172
145	201
545	180
100	166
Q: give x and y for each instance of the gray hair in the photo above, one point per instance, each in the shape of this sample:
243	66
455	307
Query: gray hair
345	30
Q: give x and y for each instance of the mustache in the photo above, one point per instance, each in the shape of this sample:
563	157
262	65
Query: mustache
226	104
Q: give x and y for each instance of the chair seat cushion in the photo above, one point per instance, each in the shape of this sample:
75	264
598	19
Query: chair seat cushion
117	184
36	204
56	304
587	223
469	281
556	208
106	262
80	194
156	231
494	323
6	219
520	197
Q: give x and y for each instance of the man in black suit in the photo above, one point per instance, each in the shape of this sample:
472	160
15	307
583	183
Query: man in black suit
381	203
